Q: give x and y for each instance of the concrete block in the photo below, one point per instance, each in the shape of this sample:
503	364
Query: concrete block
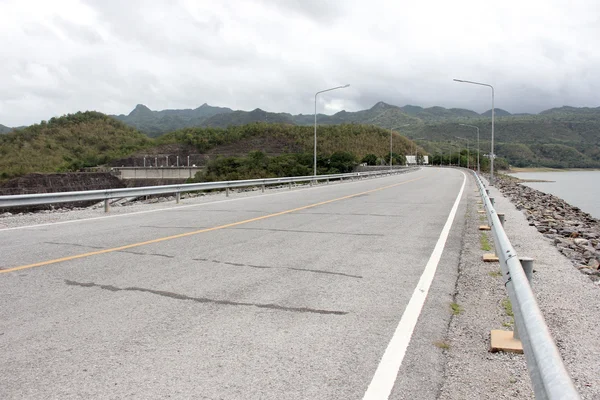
489	257
504	341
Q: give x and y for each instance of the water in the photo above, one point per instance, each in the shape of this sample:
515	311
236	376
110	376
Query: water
578	188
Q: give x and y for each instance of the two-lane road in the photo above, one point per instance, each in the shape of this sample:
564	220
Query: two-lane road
287	295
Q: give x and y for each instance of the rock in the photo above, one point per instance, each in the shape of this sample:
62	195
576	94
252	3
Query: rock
586	271
552	231
566	232
581	242
6	214
594	263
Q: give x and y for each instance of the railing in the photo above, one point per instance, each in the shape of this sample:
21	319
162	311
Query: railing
109	194
549	377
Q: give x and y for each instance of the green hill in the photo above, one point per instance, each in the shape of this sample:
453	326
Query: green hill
4	129
260	150
359	140
155	123
68	143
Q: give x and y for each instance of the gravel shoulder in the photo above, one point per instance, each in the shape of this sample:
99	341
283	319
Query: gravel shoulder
569	301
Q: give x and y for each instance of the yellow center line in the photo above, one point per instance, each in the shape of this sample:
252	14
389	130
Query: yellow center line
181	235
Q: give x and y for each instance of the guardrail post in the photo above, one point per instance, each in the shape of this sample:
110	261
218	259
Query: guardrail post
487	191
106	205
492	200
527	264
328	181
311	182
227	192
263	187
290	185
177	197
501	218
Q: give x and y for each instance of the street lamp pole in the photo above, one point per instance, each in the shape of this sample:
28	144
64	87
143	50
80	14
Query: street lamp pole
476	127
468	153
391	162
417	150
315	152
492	155
391	145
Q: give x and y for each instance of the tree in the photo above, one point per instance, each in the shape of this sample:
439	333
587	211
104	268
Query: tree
370	159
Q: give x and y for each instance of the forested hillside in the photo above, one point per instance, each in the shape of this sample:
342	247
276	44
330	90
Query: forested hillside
67	143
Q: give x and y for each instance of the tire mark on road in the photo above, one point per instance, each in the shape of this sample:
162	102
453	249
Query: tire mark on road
317	271
75	244
204	300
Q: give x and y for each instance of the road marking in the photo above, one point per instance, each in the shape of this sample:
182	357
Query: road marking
158	240
384	379
174	208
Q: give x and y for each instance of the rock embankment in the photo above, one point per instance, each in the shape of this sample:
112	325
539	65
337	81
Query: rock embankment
575	233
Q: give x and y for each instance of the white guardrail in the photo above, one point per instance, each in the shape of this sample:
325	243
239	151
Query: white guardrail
21	200
549	377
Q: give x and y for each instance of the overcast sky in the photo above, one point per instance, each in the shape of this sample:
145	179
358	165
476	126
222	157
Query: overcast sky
62	56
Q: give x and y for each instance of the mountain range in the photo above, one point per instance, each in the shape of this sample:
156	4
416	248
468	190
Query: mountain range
156	123
4	129
563	137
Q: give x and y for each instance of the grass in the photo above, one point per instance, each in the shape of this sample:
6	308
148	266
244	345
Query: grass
507	324
507	307
456	309
495	274
484	241
442	345
534	169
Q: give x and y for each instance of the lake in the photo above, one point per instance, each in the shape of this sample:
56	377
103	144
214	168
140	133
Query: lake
578	188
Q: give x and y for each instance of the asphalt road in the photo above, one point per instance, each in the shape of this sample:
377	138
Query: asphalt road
287	295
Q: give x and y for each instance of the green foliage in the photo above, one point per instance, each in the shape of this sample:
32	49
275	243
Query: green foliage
258	165
342	162
359	140
370	159
68	143
442	345
484	242
399	159
456	308
506	304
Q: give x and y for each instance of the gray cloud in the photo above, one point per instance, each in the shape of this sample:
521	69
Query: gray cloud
70	55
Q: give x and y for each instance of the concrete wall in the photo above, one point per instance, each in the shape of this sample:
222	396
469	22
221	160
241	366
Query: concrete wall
156	173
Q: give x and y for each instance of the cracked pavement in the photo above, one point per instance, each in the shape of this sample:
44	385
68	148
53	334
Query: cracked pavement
300	305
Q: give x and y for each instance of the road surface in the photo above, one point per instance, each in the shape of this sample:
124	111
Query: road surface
287	295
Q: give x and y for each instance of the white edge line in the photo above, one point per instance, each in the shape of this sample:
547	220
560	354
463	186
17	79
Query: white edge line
175	207
384	379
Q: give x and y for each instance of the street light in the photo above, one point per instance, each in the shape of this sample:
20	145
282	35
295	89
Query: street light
401	126
492	154
468	154
476	127
315	153
417	150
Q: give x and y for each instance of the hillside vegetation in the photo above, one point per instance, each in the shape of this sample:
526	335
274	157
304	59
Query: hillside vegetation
562	137
68	143
89	139
359	140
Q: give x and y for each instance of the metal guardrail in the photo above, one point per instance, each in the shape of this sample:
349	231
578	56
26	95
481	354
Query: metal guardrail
549	377
109	194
